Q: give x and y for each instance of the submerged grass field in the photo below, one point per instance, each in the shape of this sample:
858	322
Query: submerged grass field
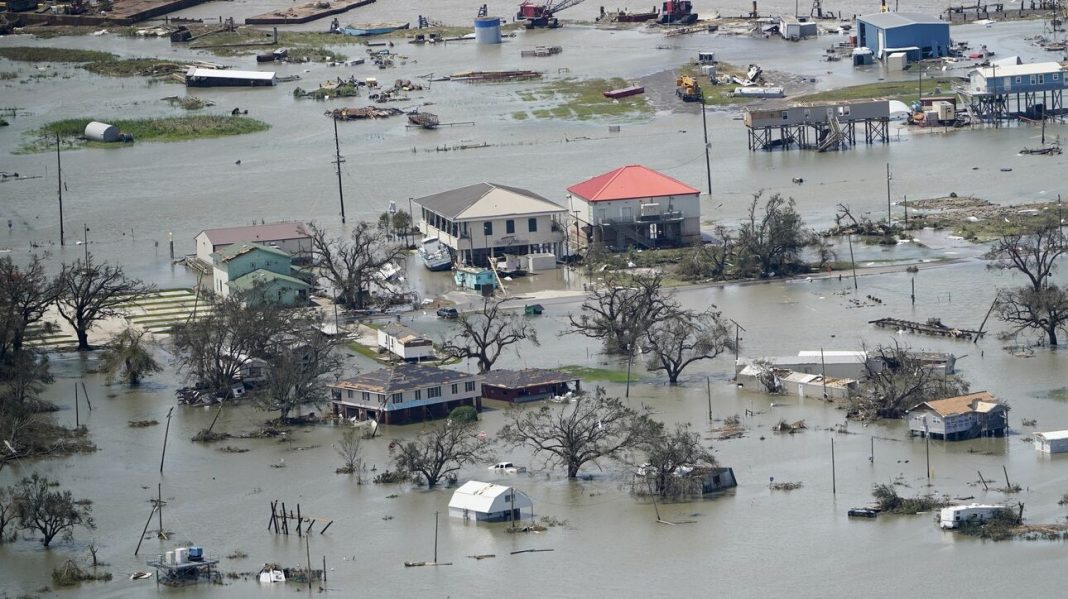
180	128
905	91
582	99
44	54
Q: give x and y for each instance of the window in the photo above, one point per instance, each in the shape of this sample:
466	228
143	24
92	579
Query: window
398	398
433	392
1019	80
469	386
418	394
1041	79
1055	76
1032	79
785	115
509	226
350	394
532	225
455	389
366	396
487	228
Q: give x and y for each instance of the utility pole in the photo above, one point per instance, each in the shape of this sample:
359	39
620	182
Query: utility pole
85	242
889	219
338	160
59	177
853	263
708	160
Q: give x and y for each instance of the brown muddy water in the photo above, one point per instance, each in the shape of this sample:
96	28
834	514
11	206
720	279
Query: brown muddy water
749	542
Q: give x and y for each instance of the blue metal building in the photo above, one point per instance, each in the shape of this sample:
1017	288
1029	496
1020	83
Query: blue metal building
919	36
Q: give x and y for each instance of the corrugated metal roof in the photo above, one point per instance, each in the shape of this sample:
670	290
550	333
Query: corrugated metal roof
889	20
487	200
631	181
981	401
527	377
402	377
1053	435
229	74
258	233
479	497
403	333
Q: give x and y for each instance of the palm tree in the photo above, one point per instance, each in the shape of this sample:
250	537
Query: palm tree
127	358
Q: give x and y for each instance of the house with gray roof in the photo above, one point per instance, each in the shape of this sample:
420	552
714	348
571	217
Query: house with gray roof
919	36
292	237
487	219
405	392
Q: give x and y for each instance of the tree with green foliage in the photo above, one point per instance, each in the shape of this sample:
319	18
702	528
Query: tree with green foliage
43	508
127	358
440	450
464	414
770	243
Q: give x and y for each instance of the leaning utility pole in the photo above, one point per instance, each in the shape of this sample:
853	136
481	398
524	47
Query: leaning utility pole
59	177
338	160
708	160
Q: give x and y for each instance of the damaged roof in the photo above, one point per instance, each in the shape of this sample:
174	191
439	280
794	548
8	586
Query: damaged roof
260	233
981	401
402	377
527	377
240	248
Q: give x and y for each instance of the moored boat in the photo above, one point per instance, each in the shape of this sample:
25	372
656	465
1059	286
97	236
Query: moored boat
624	92
368	31
435	256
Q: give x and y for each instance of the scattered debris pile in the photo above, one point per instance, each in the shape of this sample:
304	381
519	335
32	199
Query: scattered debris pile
786	427
358	114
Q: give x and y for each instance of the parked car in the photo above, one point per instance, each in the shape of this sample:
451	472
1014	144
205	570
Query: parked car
448	313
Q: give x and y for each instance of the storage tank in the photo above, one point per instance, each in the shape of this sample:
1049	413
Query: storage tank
169	558
488	30
96	131
181	555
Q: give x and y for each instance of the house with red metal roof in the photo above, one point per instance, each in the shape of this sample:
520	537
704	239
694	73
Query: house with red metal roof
636	206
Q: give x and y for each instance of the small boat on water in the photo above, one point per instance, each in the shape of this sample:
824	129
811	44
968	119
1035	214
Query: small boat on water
369	31
1044	151
435	256
426	120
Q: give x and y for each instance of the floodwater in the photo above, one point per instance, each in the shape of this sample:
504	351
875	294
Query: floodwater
749	542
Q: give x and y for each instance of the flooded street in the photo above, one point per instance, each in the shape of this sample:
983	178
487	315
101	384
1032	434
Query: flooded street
748	542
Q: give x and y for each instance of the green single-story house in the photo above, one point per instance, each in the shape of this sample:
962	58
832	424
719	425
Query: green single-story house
259	272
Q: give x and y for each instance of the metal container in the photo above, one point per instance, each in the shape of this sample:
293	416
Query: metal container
488	30
181	555
96	131
168	558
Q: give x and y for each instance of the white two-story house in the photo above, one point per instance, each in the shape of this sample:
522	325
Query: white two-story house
405	392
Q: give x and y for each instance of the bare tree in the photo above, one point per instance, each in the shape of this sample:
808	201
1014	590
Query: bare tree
440	450
298	361
896	381
620	310
350	450
353	265
213	349
89	293
25	294
8	512
483	335
682	337
771	243
667	453
43	508
1041	304
590	429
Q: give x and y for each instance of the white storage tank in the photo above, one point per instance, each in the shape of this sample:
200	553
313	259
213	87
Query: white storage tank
168	558
488	30
97	131
181	555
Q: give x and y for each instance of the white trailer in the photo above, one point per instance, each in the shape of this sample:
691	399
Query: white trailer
957	515
1052	442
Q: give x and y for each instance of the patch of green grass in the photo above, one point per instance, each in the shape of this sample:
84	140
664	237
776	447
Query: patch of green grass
715	94
7	75
314	54
179	128
521	115
583	99
906	91
45	54
134	67
597	374
363	350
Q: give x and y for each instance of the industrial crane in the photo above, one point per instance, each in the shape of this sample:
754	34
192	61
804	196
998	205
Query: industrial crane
543	15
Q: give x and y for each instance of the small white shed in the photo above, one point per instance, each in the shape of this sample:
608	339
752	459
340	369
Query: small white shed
897	61
487	502
97	131
1052	442
405	343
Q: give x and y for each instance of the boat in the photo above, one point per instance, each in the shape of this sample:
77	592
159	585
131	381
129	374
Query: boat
624	92
636	17
271	573
435	256
1045	151
426	120
369	31
863	512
